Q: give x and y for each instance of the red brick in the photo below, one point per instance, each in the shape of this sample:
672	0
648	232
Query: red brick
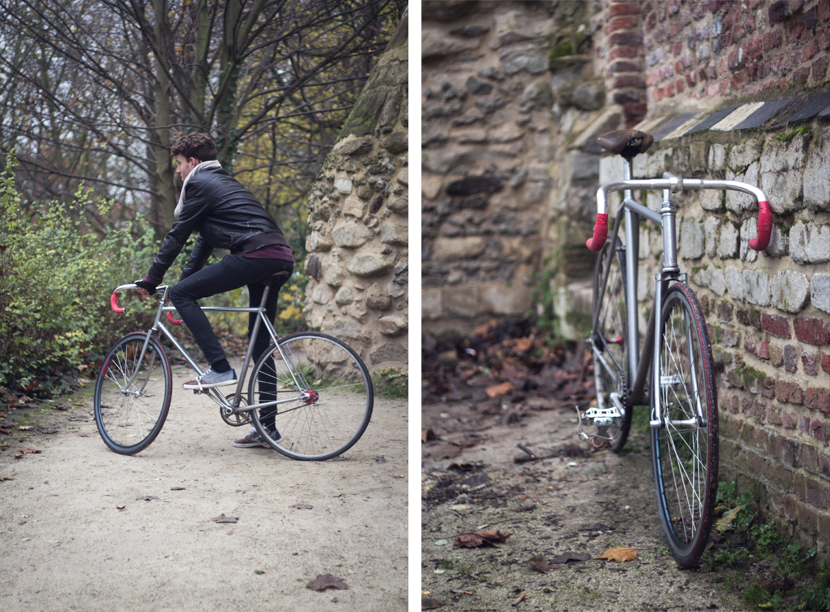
621	23
754	463
807	518
824	10
788	420
819	69
629	80
812	331
789	392
774	39
778	11
763	349
768	388
810	51
795	6
783	448
626	97
633	114
825	362
824	523
818	398
811	18
691	81
810	361
773	415
624	9
824	464
795	31
810	457
677	48
623	66
791	358
801	75
625	39
818	430
625	52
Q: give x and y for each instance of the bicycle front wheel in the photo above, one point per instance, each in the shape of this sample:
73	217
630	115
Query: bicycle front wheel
132	394
325	394
608	342
685	448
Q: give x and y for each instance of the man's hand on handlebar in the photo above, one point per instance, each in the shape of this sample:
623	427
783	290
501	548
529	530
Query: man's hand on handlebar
146	287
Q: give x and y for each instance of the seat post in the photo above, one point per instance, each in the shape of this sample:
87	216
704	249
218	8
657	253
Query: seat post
632	264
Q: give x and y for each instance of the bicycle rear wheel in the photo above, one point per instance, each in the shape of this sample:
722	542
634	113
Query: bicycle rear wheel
132	394
330	396
685	450
608	346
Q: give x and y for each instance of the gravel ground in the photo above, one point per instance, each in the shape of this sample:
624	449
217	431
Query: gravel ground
574	502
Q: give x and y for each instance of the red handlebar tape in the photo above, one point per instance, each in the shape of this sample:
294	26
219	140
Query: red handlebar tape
114	302
596	242
172	319
764	227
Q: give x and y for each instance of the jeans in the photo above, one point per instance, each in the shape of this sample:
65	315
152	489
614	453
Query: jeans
232	272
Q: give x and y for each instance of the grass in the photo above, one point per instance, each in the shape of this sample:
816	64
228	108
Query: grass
765	572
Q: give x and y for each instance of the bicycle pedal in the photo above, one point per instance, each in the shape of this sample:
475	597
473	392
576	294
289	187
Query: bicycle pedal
594	424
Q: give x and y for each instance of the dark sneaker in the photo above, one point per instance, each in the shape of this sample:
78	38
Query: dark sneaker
254	439
211	378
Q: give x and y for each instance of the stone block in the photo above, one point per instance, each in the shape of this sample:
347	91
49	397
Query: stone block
369	263
316	242
454	249
334	274
810	361
810	243
711	199
431	303
790	291
691	239
354	206
729	241
394	233
816	185
789	392
344	296
749	230
514	61
351	234
776	325
377	298
779	245
393	325
498	299
741	155
435	43
717	157
735	283
736	201
463	301
820	291
756	287
784	190
717	282
711	227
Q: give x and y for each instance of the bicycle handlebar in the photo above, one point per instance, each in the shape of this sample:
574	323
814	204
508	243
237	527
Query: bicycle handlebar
676	184
116	308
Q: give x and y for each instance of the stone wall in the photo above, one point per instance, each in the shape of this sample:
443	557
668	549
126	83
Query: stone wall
505	87
357	217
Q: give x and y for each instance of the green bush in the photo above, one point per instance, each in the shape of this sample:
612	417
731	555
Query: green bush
56	276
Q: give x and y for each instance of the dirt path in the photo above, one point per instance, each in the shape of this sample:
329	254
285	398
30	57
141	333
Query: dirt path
570	503
67	545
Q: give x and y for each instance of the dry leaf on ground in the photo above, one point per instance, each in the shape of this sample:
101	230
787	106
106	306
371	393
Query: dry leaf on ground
497	390
2	478
326	581
619	554
475	539
430	604
540	565
427	435
722	524
26	451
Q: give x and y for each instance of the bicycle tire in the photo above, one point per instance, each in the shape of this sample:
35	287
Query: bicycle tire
334	418
685	457
608	335
124	409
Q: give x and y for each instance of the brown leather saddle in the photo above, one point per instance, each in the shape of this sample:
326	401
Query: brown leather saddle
627	143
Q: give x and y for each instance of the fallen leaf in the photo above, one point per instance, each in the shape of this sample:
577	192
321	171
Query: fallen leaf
302	506
466	467
475	539
430	604
619	554
77	403
524	344
540	565
427	435
22	522
25	427
722	524
497	390
225	519
326	581
26	451
2	478
6	432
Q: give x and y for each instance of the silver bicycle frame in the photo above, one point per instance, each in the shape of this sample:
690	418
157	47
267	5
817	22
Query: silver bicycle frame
669	271
217	397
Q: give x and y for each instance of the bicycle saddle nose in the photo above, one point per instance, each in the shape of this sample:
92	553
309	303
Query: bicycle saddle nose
627	143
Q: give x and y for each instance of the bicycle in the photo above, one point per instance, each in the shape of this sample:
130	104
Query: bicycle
673	373
315	386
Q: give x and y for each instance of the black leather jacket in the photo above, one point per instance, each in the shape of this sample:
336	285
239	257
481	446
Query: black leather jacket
226	216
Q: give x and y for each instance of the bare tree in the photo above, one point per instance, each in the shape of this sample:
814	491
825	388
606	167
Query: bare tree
95	90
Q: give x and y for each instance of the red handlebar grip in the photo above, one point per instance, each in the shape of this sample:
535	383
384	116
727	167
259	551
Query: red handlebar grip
172	319
114	303
596	242
764	227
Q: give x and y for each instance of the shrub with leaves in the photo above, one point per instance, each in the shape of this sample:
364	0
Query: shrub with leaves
56	276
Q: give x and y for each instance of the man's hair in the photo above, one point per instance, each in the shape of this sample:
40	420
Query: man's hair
199	146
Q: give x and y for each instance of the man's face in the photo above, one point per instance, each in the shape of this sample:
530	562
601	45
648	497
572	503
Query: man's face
186	165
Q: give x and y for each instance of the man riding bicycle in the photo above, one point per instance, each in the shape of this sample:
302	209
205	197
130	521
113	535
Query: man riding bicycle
226	216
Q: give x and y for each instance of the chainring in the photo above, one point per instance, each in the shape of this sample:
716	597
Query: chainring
237	419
